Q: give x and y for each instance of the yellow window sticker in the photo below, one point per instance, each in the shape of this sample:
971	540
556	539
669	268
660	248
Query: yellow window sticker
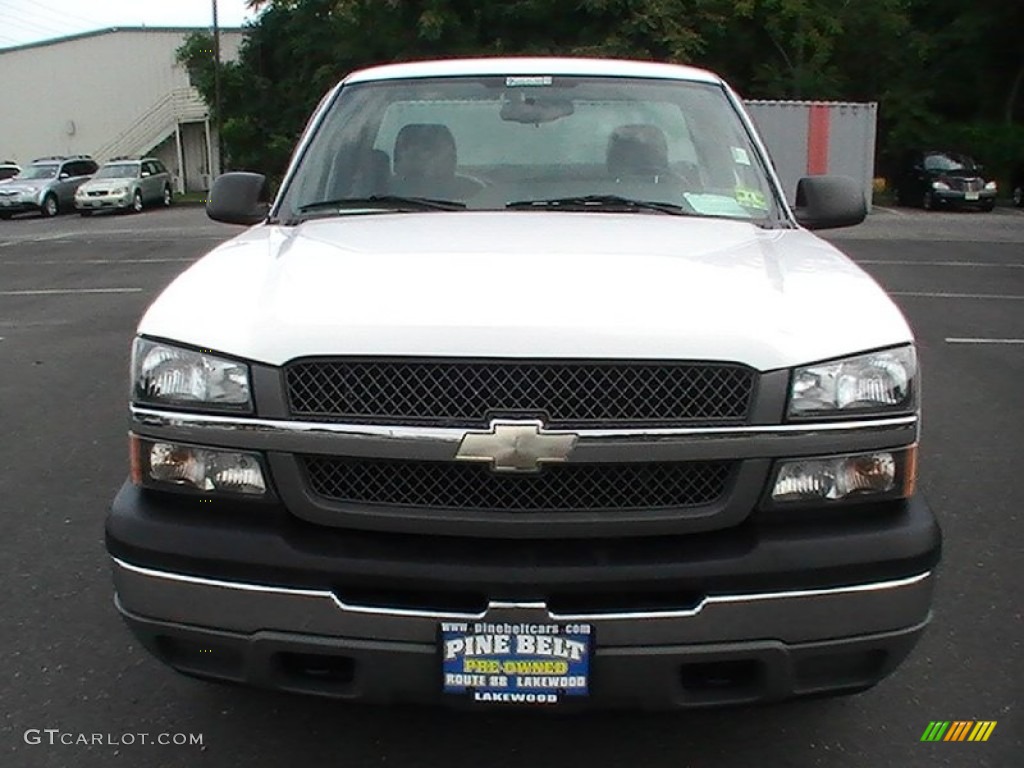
751	198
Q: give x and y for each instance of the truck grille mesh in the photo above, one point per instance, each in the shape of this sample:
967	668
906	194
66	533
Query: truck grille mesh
562	394
563	488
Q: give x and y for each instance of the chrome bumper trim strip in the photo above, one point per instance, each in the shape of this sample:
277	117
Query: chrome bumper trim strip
531	606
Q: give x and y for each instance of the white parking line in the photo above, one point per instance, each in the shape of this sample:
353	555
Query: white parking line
58	291
925	295
984	341
939	263
894	211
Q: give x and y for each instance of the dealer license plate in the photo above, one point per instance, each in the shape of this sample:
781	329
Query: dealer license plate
516	663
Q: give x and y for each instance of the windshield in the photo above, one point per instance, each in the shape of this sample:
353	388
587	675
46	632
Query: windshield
948	161
569	143
39	172
120	171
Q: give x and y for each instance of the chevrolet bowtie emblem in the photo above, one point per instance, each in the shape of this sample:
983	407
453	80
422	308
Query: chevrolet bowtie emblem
516	446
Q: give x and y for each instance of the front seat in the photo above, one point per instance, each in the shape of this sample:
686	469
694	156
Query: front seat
638	152
425	159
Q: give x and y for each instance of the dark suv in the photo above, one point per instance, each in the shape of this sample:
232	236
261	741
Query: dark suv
47	185
936	178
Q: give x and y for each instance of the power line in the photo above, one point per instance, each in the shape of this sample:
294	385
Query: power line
19	15
33	28
56	14
27	26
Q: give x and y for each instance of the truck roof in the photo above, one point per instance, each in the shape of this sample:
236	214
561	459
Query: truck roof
500	66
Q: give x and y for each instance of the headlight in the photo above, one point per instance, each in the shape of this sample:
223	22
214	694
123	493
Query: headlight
158	463
163	374
991	185
119	191
875	382
880	474
941	185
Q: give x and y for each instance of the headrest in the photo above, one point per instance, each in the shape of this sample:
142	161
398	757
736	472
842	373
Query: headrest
425	150
637	150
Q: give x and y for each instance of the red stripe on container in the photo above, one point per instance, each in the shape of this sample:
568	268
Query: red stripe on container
817	139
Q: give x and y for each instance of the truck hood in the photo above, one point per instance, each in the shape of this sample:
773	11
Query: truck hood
528	284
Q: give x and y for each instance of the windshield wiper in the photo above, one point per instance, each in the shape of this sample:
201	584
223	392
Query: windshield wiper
387	202
613	203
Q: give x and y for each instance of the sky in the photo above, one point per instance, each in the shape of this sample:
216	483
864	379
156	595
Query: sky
29	21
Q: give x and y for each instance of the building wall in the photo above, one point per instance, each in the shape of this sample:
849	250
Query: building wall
73	95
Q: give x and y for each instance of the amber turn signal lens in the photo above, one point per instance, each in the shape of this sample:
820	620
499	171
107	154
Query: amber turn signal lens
135	457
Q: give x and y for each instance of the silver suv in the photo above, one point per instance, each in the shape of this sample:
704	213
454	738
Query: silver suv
123	184
47	185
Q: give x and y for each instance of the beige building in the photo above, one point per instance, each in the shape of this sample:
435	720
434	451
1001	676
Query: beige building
110	93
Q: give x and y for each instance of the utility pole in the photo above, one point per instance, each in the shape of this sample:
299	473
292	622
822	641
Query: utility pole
216	90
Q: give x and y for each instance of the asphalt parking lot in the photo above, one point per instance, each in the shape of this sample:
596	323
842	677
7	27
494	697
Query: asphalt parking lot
71	292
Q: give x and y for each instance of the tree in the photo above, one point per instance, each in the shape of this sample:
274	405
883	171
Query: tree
298	49
939	68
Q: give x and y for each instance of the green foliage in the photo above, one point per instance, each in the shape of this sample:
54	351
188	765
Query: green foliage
942	70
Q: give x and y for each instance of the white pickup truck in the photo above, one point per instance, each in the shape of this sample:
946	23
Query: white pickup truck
528	388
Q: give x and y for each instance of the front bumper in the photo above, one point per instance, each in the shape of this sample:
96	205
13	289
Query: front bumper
960	197
733	649
19	206
760	614
105	202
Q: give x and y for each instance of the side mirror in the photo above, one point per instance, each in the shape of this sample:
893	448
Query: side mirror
64	175
827	202
235	198
145	174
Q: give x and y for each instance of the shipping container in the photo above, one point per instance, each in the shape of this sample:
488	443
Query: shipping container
807	138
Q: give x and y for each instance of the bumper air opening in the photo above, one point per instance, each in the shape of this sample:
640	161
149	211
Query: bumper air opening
723	680
840	670
326	673
206	659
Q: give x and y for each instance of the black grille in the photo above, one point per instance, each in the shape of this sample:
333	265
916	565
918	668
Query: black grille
565	488
967	185
563	394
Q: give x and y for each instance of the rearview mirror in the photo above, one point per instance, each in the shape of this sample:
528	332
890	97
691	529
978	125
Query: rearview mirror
522	108
828	202
235	198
